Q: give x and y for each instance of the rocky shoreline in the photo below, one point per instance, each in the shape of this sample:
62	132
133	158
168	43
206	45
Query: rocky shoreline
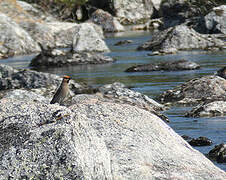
107	132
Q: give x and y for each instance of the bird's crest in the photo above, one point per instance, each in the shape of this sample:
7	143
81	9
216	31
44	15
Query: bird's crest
67	77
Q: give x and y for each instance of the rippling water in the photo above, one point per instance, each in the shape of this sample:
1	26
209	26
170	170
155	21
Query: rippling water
150	83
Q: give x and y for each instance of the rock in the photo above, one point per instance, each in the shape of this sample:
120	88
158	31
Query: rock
25	95
52	34
14	79
178	12
58	58
200	141
209	109
215	20
123	42
124	95
133	11
36	13
181	37
106	21
185	137
94	140
165	66
218	153
50	143
87	39
222	72
14	40
196	90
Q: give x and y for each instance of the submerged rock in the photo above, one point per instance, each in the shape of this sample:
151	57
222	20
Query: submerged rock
58	58
196	90
181	37
209	109
165	66
123	42
94	140
200	141
218	153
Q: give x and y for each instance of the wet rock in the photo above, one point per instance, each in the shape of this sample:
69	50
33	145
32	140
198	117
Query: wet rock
133	11
87	39
185	137
200	141
218	153
209	109
123	42
13	39
165	66
58	58
222	72
215	20
106	21
181	37
196	90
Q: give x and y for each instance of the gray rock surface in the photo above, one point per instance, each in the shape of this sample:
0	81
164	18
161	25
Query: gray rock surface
216	108
94	140
106	21
133	11
36	13
11	78
196	90
181	37
25	95
58	58
49	142
51	34
127	96
165	66
87	39
13	39
215	21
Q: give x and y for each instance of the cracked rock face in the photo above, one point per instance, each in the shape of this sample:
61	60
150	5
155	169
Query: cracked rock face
93	140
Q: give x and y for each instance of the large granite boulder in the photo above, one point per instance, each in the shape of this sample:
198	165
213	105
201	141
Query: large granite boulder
51	34
94	140
215	21
133	11
218	153
196	90
181	37
14	40
106	21
177	65
86	38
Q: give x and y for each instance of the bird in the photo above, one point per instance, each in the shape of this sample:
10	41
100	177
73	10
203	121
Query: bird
62	91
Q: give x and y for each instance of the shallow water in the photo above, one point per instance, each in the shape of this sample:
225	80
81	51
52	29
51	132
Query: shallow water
150	83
